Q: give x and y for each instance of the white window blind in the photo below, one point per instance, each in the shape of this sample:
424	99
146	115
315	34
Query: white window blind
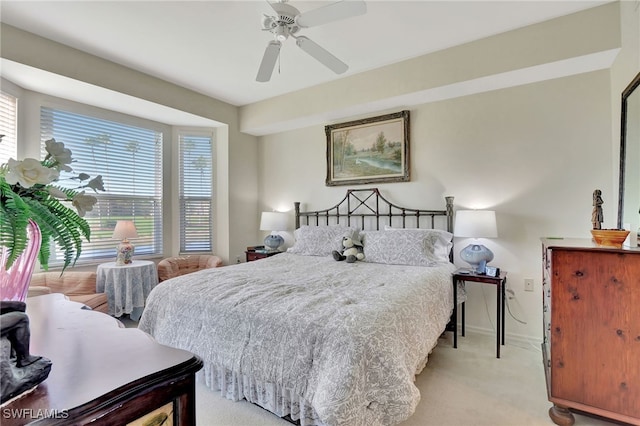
196	182
8	127
129	159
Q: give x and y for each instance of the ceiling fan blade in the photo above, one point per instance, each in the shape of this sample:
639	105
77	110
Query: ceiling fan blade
268	61
332	12
322	55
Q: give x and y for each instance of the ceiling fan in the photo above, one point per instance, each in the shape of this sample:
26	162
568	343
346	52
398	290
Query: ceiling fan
289	21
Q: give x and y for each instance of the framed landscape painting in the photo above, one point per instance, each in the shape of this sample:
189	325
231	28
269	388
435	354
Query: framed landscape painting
370	150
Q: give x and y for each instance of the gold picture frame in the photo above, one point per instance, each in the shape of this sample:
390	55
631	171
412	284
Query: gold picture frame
371	150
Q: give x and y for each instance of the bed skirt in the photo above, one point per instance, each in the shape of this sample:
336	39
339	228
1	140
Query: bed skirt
274	398
269	396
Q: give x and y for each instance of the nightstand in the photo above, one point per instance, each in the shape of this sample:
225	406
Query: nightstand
462	276
258	252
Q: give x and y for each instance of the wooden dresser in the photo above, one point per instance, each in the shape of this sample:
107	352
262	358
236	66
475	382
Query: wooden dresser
591	348
102	374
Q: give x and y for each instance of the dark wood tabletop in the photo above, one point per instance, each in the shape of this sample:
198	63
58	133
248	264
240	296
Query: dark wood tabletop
466	275
97	363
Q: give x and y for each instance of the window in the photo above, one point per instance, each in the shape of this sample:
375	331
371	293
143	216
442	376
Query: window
8	127
196	182
129	158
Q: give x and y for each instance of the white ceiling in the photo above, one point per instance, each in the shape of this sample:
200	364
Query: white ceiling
215	47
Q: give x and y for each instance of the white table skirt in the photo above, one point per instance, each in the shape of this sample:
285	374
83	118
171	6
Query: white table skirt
127	286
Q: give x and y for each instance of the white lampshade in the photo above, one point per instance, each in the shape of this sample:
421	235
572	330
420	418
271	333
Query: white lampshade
475	224
124	229
274	221
124	251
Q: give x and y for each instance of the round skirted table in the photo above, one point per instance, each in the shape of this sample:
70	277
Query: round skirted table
127	286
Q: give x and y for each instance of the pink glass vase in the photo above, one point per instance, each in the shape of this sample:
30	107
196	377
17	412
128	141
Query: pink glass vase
14	282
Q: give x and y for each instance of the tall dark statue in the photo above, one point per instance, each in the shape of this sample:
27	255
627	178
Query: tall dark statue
19	369
596	215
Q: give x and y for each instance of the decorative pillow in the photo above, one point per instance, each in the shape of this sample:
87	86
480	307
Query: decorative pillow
320	240
401	248
442	245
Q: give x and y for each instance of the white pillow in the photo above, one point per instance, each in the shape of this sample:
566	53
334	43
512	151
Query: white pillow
441	246
320	240
401	248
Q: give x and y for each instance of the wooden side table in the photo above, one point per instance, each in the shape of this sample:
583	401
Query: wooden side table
258	252
462	276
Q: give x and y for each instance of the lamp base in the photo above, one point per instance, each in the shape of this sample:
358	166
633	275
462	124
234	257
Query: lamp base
272	242
477	256
124	253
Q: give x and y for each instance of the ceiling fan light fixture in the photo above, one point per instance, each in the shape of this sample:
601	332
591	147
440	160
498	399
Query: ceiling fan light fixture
281	32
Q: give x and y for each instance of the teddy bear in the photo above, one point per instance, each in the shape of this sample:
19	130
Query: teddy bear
351	251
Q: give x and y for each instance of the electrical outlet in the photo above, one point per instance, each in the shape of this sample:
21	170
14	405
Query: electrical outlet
528	284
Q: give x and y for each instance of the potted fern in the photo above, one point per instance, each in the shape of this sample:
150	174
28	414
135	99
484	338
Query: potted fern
30	196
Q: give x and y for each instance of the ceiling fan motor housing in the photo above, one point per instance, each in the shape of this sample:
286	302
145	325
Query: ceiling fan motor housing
284	24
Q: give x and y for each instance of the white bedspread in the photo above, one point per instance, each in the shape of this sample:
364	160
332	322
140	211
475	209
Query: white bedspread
325	342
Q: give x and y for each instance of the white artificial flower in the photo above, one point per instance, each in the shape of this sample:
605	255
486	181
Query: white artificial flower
60	154
29	172
55	192
96	184
83	203
30	182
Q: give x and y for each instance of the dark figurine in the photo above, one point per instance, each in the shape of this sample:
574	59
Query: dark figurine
596	215
15	327
20	371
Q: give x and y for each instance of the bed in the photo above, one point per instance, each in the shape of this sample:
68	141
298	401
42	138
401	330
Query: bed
314	340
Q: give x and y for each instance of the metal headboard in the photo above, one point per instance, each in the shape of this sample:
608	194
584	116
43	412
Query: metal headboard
370	209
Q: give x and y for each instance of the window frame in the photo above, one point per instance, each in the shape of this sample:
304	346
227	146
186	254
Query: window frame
45	101
179	133
13	151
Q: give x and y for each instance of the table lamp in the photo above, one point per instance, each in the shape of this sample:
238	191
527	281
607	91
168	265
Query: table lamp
273	221
476	224
124	230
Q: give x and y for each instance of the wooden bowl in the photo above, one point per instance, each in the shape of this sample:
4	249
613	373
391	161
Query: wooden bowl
609	237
